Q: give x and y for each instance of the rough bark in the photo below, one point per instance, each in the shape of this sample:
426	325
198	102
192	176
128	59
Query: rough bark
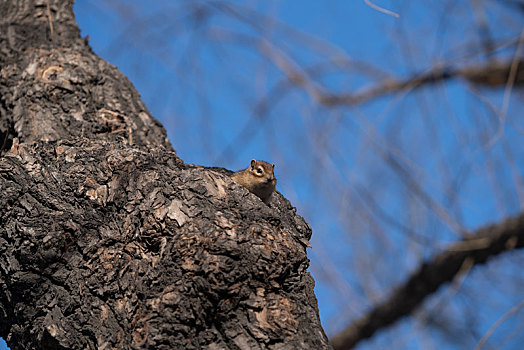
476	248
107	239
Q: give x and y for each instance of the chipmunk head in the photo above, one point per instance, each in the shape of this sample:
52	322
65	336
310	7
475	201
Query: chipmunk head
263	170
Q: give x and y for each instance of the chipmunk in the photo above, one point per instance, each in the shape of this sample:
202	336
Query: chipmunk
259	179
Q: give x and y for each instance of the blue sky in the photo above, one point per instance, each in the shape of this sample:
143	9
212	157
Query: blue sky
206	77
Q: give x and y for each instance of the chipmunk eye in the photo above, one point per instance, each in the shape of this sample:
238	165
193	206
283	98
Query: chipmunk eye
259	171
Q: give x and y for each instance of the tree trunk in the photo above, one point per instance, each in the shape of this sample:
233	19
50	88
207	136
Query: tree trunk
107	239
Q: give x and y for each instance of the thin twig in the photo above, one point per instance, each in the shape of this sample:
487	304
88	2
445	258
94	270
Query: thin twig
501	320
49	18
383	10
507	92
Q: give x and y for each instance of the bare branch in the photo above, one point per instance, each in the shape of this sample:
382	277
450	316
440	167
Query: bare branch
492	75
479	247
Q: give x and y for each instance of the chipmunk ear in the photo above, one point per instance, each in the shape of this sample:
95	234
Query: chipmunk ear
273	165
253	162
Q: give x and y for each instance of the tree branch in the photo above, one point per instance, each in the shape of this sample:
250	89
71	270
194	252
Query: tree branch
486	243
491	74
